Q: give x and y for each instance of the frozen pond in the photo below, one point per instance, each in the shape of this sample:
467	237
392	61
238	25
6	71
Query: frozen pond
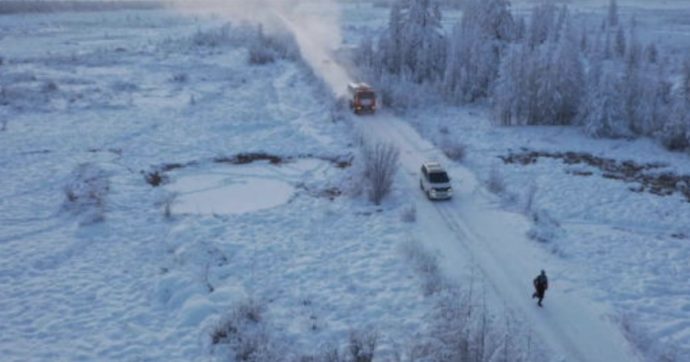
237	189
226	195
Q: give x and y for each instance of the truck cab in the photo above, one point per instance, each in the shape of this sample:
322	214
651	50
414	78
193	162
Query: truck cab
362	98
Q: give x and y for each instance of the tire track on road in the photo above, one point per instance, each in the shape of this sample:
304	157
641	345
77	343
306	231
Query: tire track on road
501	275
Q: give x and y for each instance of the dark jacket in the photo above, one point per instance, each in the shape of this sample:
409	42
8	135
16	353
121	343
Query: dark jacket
541	282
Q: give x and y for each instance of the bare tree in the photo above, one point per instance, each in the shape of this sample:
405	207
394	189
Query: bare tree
380	166
363	345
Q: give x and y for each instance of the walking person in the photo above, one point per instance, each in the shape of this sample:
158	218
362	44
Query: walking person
541	283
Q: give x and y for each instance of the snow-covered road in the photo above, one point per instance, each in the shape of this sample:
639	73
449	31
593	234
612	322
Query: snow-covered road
472	232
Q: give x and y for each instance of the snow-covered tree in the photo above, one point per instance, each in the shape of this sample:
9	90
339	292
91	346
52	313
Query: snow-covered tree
651	53
542	24
475	49
619	45
641	100
634	48
424	45
647	91
542	85
510	90
364	55
569	75
547	95
520	29
584	42
493	18
410	54
603	114
607	46
686	80
472	65
391	43
613	13
676	132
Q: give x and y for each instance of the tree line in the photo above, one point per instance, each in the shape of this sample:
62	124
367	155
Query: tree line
541	69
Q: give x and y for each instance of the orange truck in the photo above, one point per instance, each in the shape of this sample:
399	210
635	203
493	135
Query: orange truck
362	98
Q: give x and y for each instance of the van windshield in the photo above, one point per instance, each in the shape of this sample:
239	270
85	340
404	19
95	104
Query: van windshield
438	177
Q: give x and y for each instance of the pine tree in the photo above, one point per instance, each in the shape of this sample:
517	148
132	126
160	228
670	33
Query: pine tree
520	29
604	116
497	21
607	46
675	134
569	74
686	80
619	45
424	45
548	94
646	91
676	131
651	53
507	101
584	42
542	24
542	83
390	44
477	44
364	56
634	49
613	13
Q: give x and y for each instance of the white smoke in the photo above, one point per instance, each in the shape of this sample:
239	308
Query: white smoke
315	25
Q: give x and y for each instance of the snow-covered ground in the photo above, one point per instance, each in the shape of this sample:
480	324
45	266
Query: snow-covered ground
609	244
472	230
153	179
98	264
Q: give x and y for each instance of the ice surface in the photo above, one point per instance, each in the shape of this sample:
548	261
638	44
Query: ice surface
217	195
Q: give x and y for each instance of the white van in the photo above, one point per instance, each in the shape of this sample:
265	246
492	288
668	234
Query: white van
434	181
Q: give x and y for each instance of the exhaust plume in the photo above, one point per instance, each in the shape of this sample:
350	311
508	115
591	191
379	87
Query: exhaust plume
315	25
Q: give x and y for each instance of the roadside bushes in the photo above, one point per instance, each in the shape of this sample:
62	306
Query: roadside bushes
246	334
495	182
409	214
363	346
454	150
544	228
267	48
425	265
264	48
250	337
85	193
461	328
380	161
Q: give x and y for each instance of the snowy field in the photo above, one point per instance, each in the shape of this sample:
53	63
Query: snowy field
157	186
98	264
